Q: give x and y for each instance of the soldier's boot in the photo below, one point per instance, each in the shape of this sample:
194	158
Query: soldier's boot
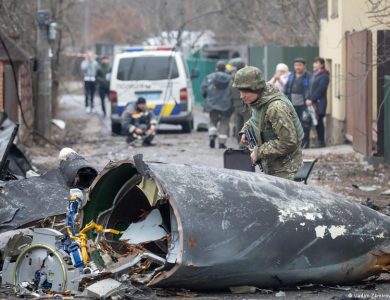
212	141
222	138
212	135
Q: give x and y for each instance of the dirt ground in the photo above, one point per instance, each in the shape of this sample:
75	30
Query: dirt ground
338	169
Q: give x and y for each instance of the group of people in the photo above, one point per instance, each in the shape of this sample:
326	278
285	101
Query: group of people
282	111
96	76
306	92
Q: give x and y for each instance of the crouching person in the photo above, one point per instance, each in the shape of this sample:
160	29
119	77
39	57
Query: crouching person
139	123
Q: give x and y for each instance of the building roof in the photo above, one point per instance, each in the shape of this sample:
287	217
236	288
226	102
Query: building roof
16	53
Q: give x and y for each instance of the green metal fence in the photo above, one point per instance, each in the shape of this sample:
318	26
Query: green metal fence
205	67
266	58
386	111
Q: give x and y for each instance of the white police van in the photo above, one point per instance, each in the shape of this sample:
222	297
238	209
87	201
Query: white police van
161	76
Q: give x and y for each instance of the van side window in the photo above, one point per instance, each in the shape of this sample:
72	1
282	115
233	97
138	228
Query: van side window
147	68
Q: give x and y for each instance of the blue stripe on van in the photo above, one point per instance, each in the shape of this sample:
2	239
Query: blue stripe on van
176	110
157	110
121	109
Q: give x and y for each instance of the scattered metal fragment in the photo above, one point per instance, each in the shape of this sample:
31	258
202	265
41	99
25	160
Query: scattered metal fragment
386	193
244	289
103	288
366	188
280	294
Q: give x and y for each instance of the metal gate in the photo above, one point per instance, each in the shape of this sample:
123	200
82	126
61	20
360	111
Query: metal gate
383	68
359	90
386	110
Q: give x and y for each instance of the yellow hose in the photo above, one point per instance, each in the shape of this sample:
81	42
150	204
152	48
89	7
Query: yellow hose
81	238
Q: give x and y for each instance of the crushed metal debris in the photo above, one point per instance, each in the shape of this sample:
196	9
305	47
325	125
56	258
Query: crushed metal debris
154	225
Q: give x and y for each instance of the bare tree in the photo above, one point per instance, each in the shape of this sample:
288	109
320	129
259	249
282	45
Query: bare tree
281	22
18	20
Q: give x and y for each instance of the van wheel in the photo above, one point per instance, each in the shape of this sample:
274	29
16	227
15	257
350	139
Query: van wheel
116	128
187	126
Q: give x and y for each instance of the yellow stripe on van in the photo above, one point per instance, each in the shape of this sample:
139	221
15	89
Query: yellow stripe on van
167	109
151	106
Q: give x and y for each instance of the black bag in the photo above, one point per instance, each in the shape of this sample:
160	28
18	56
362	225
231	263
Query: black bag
238	159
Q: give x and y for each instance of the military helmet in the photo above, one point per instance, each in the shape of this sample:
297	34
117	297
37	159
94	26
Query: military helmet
249	78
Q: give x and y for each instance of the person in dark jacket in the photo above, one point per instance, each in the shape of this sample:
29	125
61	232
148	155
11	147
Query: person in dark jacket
139	123
215	89
103	81
89	68
297	86
318	96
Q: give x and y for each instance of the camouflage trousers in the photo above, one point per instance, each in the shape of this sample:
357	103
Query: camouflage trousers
284	167
240	117
285	175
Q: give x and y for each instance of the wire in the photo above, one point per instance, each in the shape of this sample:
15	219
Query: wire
31	130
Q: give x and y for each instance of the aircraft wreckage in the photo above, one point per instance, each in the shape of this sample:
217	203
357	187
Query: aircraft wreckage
200	228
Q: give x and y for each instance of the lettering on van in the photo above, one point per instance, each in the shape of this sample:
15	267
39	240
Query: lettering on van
135	85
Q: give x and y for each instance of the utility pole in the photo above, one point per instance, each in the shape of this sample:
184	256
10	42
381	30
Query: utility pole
43	108
86	25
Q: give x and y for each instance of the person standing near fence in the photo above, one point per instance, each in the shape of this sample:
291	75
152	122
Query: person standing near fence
89	67
297	86
103	81
215	89
280	77
318	97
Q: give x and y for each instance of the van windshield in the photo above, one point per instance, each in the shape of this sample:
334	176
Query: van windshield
147	68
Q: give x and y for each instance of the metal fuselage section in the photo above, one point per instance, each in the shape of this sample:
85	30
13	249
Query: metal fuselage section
229	228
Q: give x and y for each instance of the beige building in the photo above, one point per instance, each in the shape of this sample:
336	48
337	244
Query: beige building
352	41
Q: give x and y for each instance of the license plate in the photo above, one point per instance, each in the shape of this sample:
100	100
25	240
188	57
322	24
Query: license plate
150	96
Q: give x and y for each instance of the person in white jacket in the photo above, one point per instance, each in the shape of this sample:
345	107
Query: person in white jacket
280	78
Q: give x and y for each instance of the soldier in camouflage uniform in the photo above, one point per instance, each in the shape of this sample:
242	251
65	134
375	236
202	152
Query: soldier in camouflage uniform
274	122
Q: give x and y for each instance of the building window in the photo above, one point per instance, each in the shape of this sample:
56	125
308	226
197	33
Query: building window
335	9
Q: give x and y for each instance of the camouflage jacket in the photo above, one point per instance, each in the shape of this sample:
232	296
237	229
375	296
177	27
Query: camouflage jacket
281	131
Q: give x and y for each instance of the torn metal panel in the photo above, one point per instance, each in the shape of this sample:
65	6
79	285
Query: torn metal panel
13	162
147	230
150	190
231	228
28	200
